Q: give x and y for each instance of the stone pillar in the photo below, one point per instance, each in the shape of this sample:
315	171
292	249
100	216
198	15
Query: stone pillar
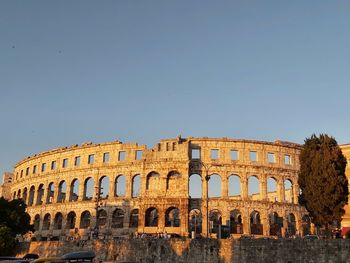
204	188
312	228
285	226
77	219
295	189
143	179
161	219
111	188
246	221
128	193
266	224
263	188
281	197
45	195
244	187
68	191
224	187
56	192
81	189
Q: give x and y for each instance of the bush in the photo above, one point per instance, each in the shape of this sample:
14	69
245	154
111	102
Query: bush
7	241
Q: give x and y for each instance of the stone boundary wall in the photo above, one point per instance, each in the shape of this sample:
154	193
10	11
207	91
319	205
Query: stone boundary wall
200	250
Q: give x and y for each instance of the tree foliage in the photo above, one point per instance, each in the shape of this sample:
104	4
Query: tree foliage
13	220
322	180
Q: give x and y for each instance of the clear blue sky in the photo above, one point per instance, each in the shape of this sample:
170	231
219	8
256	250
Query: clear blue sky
139	71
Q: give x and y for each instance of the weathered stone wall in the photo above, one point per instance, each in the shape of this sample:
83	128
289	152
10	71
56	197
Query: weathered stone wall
202	250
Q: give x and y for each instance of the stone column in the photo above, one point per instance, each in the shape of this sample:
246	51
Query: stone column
266	224
81	188
224	186
56	192
244	187
204	188
111	187
263	188
128	193
143	179
161	219
46	192
281	197
68	191
295	189
246	221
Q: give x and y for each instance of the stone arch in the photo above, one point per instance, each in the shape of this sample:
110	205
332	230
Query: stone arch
152	181
62	188
102	217
57	223
215	220
272	192
195	221
254	187
195	186
276	224
85	219
88	188
50	193
134	218
31	195
306	225
37	222
234	186
71	219
25	195
236	222
288	190
151	217
173	181
74	190
120	185
136	184
46	222
40	194
214	186
172	217
256	228
118	218
291	225
103	187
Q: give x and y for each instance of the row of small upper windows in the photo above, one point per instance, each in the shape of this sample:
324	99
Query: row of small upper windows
90	160
234	154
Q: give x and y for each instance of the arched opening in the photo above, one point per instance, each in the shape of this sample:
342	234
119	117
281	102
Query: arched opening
151	217
58	221
134	218
172	181
152	181
291	225
37	222
62	187
214	186
215	221
253	188
88	188
101	217
236	225
50	193
276	224
288	191
118	218
85	219
19	194
25	195
195	222
306	224
120	185
234	186
256	228
272	194
71	218
31	195
195	186
103	187
40	194
136	181
172	217
46	222
74	190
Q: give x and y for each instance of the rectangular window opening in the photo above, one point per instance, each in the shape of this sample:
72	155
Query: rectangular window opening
77	161
121	156
65	163
106	157
34	169
53	165
196	154
271	157
91	158
234	155
253	156
138	155
214	154
43	167
27	171
287	159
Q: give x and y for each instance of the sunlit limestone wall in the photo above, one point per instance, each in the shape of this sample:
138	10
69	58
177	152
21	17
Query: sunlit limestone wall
346	151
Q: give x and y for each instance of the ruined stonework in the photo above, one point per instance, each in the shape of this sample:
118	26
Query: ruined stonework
346	218
5	187
140	190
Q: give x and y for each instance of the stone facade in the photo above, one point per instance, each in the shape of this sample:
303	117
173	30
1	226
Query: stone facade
346	218
5	187
135	189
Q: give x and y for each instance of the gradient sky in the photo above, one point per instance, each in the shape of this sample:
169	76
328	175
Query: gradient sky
140	71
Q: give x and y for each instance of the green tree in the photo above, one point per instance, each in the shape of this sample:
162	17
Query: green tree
322	180
13	220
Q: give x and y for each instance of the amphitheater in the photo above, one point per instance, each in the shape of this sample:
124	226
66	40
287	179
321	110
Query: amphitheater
183	186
